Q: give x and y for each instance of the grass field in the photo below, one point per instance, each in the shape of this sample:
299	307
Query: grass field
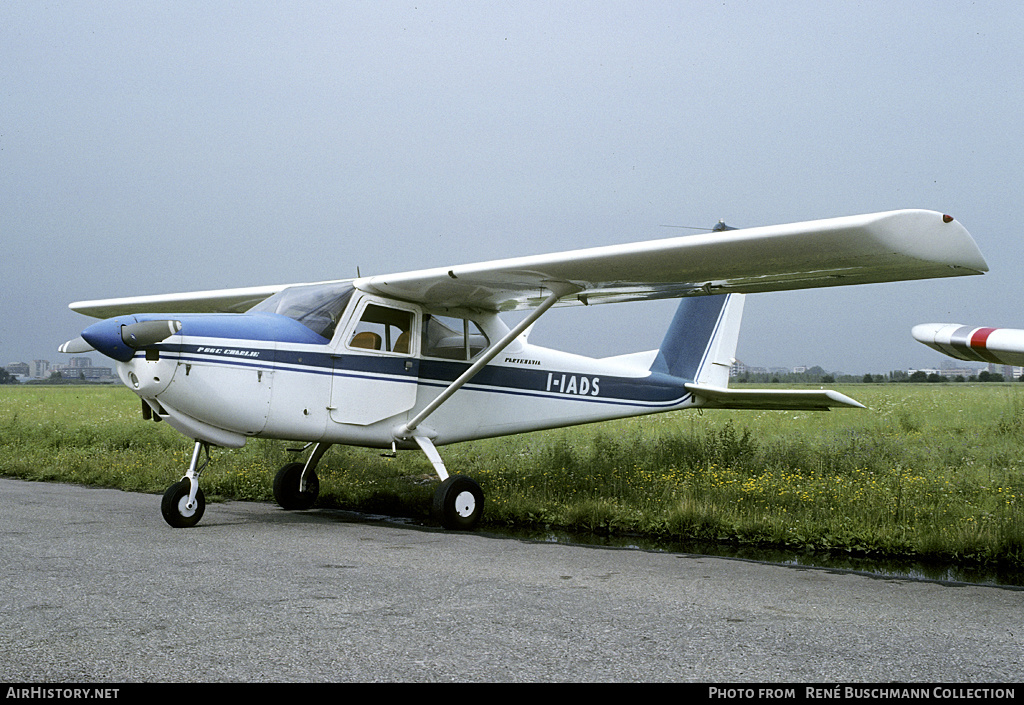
931	471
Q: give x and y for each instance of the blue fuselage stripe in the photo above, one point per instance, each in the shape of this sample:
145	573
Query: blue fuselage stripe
654	390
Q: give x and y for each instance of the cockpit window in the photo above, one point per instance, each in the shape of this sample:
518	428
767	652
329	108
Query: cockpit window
384	329
452	338
316	306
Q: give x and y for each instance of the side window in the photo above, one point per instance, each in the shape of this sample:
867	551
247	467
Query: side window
452	338
383	329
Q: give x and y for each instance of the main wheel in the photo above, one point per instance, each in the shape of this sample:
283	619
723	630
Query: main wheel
174	505
458	503
286	487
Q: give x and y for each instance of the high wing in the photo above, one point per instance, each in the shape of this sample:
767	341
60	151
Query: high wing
893	246
880	247
213	301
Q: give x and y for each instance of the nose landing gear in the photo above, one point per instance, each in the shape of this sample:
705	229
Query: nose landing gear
184	502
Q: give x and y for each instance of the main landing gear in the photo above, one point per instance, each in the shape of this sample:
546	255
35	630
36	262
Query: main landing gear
458	501
289	490
296	485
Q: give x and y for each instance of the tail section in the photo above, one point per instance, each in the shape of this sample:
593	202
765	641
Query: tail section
700	343
700	347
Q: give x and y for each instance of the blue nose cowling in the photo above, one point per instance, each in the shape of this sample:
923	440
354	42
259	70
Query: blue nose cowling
105	337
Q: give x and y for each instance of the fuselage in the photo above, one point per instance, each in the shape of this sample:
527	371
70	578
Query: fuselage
227	377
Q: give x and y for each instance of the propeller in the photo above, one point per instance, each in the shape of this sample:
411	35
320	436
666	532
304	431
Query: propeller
78	345
120	341
140	335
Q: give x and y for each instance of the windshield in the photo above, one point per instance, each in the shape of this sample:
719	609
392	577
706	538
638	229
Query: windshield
316	306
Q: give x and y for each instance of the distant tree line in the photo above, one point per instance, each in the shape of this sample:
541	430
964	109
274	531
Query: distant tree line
983	376
816	375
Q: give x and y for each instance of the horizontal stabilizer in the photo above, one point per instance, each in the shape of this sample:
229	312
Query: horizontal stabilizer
781	399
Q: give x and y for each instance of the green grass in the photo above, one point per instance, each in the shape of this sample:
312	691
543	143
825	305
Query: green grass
932	472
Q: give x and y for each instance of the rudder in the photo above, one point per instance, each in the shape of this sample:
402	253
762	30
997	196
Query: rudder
700	343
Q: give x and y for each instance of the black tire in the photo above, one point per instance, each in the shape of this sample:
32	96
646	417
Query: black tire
458	503
173	505
286	487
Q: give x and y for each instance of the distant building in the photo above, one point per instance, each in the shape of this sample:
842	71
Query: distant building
77	368
740	369
93	374
1008	372
947	372
17	369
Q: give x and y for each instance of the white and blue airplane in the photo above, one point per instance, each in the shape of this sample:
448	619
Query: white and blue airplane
423	359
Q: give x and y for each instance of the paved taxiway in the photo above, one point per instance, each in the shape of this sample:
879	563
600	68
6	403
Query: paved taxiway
94	586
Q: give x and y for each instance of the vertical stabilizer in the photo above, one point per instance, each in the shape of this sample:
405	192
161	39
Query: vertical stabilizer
700	344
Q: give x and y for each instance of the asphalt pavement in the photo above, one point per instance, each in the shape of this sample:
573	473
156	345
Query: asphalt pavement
95	587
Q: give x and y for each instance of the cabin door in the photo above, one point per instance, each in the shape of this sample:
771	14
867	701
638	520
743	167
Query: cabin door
376	371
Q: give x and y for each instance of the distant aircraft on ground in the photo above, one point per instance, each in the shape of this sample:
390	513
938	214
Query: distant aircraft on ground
422	359
1003	346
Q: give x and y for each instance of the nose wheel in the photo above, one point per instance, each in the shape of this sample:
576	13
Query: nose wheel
184	503
176	507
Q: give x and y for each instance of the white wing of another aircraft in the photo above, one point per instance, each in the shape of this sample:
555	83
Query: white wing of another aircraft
880	247
1003	346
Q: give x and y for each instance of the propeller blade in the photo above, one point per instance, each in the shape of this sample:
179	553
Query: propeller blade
78	345
139	335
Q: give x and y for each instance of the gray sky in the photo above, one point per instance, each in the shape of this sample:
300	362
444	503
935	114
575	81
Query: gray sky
152	147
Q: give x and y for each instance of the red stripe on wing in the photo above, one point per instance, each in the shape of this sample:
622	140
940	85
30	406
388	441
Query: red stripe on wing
979	338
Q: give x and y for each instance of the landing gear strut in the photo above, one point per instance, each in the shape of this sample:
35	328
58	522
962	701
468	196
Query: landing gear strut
184	503
458	501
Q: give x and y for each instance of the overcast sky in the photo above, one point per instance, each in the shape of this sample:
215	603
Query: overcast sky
154	147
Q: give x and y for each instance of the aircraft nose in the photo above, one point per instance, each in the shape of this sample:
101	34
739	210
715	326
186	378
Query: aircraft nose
119	338
105	337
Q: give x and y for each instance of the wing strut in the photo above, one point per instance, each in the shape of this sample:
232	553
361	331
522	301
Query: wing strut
558	290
